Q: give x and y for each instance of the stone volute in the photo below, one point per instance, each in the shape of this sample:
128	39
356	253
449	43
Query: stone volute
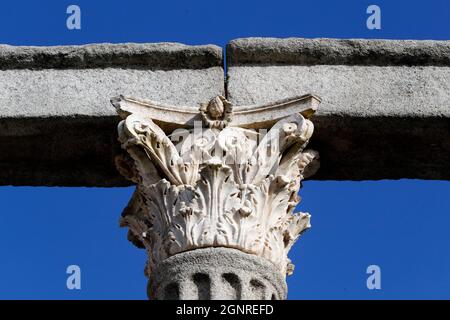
216	189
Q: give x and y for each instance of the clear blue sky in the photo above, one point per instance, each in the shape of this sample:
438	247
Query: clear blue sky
402	226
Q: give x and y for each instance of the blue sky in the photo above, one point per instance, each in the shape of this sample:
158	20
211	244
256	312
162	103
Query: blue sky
401	226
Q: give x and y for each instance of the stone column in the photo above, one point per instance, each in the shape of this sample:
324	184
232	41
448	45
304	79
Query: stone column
216	273
216	190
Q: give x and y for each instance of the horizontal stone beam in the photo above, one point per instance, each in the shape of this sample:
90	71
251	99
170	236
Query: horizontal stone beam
385	111
57	125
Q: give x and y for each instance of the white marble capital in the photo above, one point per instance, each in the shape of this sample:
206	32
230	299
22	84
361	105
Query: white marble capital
216	175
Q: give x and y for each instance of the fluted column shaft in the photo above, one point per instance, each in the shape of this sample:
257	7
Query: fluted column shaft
216	274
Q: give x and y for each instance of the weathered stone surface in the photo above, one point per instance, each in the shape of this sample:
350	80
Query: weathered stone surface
385	111
153	56
86	92
299	51
361	91
57	126
59	151
216	273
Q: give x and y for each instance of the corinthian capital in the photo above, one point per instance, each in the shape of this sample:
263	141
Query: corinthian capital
216	175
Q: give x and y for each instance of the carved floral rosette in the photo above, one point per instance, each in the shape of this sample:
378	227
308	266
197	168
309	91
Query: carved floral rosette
216	186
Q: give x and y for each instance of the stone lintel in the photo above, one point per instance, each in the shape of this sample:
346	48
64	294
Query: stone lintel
384	114
57	126
385	111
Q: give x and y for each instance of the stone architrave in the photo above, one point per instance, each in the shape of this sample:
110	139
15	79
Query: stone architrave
219	178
